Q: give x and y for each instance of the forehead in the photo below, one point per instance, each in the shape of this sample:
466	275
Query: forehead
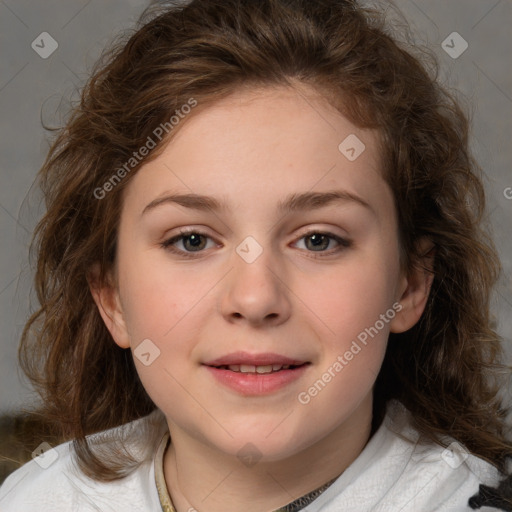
263	140
298	119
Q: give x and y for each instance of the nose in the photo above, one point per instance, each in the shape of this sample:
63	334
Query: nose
256	292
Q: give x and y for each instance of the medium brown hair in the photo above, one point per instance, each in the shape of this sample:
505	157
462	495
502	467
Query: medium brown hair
442	370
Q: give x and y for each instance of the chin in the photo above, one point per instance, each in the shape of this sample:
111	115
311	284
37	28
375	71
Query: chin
258	444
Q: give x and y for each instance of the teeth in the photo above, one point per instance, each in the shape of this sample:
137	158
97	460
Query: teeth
264	369
249	368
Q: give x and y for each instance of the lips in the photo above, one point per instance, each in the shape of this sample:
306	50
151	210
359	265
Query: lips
244	359
256	374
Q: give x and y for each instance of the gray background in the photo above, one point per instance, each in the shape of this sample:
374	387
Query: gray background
32	87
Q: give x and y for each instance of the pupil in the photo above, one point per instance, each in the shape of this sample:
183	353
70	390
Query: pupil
317	239
195	240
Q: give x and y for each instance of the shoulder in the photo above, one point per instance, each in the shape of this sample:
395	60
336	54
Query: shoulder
439	478
53	482
397	470
433	477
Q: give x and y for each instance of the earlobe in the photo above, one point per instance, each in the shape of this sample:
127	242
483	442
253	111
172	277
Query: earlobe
106	297
415	289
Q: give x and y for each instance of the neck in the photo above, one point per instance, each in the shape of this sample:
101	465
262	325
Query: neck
200	477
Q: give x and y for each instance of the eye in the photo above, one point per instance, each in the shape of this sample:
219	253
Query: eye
318	241
192	241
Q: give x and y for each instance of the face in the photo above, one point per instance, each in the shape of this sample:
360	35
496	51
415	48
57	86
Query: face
291	260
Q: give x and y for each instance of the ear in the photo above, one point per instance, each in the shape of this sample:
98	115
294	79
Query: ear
415	288
106	297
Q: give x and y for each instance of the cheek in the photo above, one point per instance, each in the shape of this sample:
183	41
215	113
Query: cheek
350	298
159	296
355	306
167	307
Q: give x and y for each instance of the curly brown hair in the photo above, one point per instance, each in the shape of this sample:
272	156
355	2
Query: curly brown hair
443	370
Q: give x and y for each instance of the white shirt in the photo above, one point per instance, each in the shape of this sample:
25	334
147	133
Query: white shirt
394	473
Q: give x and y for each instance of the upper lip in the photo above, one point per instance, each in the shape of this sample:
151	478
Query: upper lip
262	359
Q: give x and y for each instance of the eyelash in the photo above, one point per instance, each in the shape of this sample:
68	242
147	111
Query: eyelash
168	244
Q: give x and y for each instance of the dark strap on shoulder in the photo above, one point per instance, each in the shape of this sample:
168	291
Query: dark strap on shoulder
499	497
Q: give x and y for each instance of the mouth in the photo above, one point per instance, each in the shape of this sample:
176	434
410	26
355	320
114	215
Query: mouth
244	362
256	374
259	369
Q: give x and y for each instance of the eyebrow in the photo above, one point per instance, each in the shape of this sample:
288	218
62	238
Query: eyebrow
293	203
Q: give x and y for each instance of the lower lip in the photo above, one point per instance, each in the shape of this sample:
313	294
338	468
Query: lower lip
252	384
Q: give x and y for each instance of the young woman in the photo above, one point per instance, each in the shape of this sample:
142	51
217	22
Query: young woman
263	280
